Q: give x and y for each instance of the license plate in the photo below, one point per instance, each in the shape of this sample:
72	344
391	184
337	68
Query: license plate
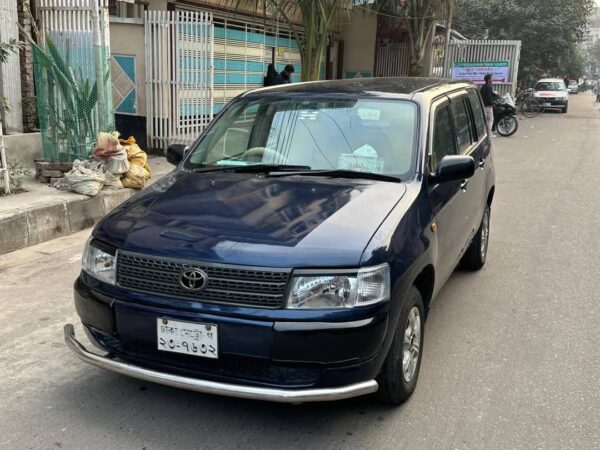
189	338
547	104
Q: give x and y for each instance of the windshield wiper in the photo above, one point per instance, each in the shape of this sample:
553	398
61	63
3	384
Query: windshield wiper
251	168
338	173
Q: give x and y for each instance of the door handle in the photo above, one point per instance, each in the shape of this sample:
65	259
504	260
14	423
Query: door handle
481	163
464	185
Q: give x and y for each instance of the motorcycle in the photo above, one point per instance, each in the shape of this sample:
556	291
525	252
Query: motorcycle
505	116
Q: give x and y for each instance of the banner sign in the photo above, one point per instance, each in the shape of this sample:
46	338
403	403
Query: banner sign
475	71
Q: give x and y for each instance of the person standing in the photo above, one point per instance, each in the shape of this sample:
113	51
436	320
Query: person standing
487	95
271	78
285	76
597	91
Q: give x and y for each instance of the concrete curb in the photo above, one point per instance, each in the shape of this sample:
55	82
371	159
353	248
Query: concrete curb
43	212
31	225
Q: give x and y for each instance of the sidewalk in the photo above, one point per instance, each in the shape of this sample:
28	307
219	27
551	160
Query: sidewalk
44	213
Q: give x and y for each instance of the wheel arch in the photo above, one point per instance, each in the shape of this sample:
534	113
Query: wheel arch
490	197
425	283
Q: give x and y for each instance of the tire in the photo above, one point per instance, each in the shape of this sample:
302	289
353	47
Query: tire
565	109
476	255
530	108
507	126
397	378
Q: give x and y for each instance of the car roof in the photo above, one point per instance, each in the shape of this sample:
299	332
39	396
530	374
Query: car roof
400	87
550	80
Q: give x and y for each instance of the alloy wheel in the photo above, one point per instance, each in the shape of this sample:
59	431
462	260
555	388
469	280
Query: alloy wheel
485	234
411	346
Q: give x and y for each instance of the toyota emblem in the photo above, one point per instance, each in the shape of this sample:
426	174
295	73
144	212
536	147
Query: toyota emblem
193	279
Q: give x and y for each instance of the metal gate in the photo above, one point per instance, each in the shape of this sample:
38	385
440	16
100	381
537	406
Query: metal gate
486	51
393	60
179	75
10	73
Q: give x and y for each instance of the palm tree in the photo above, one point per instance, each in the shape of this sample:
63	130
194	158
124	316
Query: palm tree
421	17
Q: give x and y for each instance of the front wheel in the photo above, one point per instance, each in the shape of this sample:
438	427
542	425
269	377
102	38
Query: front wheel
507	126
476	254
565	109
531	107
398	377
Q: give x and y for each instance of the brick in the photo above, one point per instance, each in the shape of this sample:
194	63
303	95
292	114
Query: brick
63	167
47	173
39	166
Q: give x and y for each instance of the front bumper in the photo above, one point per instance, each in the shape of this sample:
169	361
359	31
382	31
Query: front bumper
552	102
211	387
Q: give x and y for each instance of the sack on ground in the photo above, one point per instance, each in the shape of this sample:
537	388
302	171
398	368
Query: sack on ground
136	177
107	144
139	170
113	181
85	180
117	164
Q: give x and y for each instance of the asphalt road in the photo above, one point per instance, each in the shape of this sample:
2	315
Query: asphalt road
511	358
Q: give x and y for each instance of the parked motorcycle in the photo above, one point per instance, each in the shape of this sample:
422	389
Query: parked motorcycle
505	116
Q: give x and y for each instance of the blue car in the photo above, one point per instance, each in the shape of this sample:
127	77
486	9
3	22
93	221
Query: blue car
294	252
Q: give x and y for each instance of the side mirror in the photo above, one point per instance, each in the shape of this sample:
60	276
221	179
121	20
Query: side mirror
453	168
176	153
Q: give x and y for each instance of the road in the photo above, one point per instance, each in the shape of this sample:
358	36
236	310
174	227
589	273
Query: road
511	358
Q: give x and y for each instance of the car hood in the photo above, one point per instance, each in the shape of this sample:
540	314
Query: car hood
249	220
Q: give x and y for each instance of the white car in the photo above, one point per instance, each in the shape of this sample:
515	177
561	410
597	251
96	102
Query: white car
573	87
552	94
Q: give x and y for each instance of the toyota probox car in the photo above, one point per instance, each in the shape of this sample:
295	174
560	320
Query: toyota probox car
552	94
293	253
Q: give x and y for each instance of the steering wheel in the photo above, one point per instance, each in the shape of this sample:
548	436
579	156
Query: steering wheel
262	154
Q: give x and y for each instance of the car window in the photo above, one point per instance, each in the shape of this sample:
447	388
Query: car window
443	142
462	124
236	136
364	135
550	86
478	114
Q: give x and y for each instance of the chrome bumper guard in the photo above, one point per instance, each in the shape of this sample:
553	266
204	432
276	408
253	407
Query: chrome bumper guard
211	387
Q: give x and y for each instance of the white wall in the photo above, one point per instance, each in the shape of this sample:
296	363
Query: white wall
359	33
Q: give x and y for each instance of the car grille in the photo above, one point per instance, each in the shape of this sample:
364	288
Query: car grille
229	285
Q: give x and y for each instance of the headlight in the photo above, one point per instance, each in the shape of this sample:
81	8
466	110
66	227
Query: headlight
340	290
100	261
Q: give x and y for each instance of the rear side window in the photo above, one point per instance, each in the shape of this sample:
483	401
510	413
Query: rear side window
478	114
443	142
462	124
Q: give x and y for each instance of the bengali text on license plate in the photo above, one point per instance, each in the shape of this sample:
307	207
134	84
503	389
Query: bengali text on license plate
547	104
199	339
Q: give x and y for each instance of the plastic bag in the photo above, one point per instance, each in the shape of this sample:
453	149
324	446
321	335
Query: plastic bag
85	180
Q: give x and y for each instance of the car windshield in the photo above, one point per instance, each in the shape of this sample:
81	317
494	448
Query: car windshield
361	135
550	86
